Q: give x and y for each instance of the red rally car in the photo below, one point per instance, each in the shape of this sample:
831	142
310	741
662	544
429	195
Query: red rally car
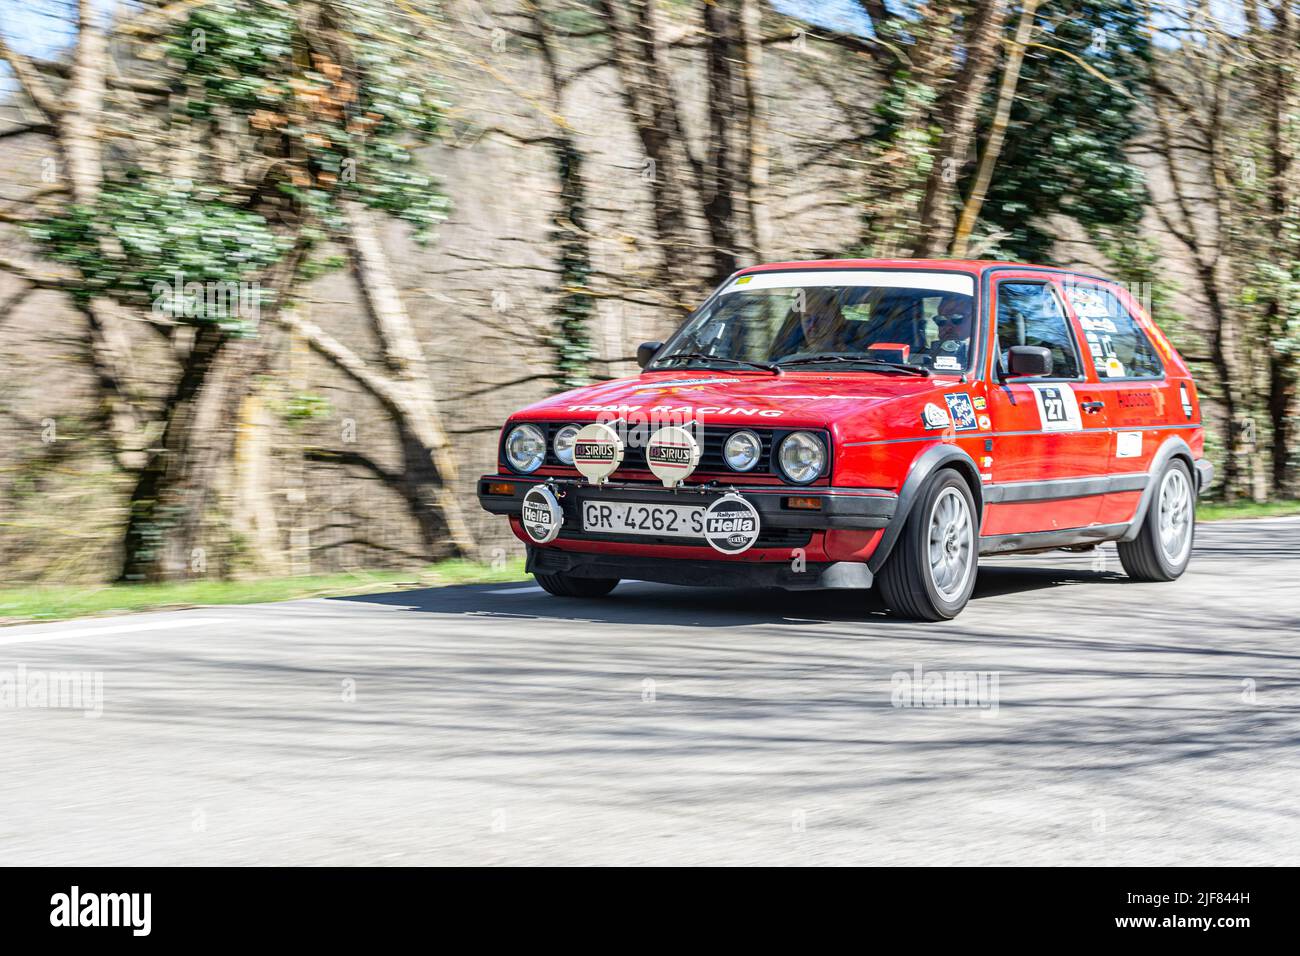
851	423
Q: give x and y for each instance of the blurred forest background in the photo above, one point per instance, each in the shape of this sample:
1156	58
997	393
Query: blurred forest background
273	273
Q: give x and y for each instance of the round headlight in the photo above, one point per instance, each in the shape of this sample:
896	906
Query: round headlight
802	457
564	443
742	450
525	448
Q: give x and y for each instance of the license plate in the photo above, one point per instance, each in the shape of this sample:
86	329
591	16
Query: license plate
630	517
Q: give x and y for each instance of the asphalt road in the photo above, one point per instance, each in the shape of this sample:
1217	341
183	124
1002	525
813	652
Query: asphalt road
1135	724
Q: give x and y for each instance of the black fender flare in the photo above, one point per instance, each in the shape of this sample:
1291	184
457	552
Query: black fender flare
923	466
1173	447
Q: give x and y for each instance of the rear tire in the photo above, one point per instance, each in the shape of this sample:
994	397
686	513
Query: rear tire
930	574
564	585
1163	547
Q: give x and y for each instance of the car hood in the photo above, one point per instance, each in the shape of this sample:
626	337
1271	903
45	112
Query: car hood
798	399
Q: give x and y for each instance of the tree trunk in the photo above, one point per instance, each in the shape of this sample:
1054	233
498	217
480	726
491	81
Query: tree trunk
1233	395
1281	360
754	131
84	104
897	177
165	535
1281	411
958	112
646	90
150	550
997	131
722	30
109	351
80	142
252	515
572	340
428	456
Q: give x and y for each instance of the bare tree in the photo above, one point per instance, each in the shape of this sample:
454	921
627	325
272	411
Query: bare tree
404	387
645	82
1192	139
1275	48
997	129
957	112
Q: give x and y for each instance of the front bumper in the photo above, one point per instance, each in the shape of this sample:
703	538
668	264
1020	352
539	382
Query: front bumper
697	573
856	509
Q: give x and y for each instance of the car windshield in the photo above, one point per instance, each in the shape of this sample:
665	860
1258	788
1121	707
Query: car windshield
845	320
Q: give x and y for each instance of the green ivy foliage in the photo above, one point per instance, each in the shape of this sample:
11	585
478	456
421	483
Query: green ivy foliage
333	97
357	126
571	341
142	240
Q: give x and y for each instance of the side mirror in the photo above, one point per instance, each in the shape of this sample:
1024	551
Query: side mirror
645	352
1030	360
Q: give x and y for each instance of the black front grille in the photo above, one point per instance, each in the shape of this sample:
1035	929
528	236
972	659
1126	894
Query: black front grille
711	460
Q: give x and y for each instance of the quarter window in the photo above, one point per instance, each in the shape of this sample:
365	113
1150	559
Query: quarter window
1030	314
1119	346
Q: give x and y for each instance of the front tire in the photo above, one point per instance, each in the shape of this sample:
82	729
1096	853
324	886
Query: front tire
564	585
1163	547
930	574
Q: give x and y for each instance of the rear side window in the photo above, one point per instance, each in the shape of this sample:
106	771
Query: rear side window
1030	314
1119	346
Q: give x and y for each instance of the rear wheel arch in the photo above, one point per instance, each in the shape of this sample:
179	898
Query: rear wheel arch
922	469
1173	447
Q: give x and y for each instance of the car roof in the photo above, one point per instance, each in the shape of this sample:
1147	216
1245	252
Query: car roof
945	265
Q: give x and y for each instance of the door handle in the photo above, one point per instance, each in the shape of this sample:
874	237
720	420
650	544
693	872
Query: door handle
1092	407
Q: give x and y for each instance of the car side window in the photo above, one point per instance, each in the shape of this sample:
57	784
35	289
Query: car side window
1120	347
1029	313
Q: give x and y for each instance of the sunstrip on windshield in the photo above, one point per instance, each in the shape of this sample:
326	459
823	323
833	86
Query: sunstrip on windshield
955	282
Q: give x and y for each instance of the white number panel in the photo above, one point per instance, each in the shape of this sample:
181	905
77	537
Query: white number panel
1058	409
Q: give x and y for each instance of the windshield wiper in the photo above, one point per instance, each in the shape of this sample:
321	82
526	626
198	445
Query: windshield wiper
702	357
858	360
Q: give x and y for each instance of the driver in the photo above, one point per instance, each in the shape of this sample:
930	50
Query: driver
953	320
822	322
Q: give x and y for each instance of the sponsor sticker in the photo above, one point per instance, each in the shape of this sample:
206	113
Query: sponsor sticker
963	412
1058	408
597	451
542	515
946	362
1098	324
689	411
985	423
935	417
731	525
672	454
1136	399
980	403
1128	444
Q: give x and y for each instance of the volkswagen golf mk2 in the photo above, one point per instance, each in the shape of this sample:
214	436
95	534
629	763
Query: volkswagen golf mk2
861	423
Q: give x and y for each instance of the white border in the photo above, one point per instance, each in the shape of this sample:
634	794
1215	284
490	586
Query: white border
957	282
